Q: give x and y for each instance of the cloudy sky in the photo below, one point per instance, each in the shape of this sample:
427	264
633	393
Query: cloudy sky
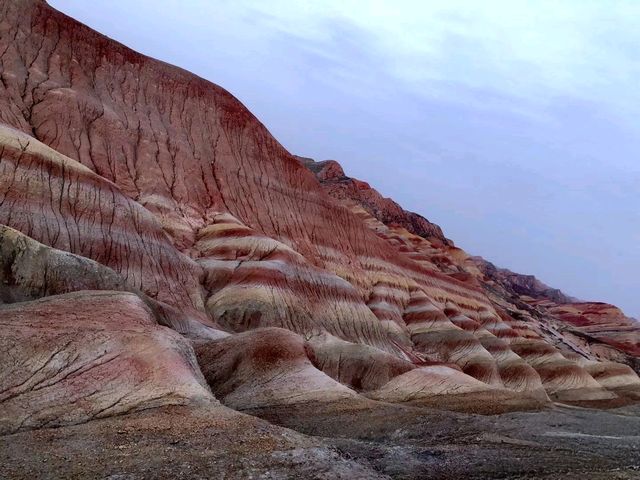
512	124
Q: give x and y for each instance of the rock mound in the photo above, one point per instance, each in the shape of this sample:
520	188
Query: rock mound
71	358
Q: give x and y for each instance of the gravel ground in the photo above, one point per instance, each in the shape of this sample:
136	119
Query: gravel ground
337	441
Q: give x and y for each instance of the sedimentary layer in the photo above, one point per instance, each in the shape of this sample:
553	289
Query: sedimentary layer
144	210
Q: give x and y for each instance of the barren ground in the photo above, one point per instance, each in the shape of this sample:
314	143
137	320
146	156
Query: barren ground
389	442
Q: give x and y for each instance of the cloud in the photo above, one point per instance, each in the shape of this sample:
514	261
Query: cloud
534	51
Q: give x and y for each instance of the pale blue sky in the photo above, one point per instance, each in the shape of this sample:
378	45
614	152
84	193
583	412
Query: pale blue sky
512	124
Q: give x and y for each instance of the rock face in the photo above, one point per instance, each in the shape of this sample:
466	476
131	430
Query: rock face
520	285
264	368
255	281
338	185
135	196
71	358
63	204
600	327
540	328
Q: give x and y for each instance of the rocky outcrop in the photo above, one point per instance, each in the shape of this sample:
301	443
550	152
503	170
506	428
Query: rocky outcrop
595	330
255	281
338	185
601	328
266	368
518	284
498	349
76	357
62	204
615	377
360	367
273	368
444	387
30	270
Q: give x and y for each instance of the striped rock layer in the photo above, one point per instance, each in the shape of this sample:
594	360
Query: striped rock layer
536	327
135	196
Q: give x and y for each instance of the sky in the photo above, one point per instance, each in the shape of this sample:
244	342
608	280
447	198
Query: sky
512	124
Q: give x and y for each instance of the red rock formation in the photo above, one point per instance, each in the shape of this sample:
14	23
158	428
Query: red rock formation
119	172
601	323
338	185
265	368
30	270
71	358
180	146
63	204
357	366
596	330
255	281
442	333
518	284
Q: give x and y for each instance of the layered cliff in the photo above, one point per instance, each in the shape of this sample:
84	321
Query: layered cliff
583	330
138	200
